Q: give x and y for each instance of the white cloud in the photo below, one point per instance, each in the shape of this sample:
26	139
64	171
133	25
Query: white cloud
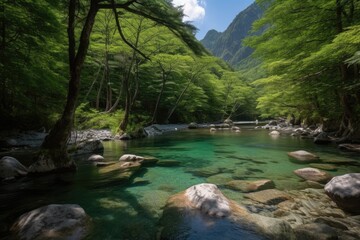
193	9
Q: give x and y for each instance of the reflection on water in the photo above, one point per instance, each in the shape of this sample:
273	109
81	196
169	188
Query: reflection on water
131	210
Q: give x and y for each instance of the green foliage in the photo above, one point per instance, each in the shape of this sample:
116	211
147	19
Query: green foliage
301	52
32	61
89	118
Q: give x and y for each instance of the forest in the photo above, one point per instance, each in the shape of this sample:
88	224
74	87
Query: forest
262	143
141	66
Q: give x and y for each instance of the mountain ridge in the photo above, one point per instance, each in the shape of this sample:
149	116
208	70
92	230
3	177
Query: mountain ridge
228	44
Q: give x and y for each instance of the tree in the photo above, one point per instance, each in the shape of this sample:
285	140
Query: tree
31	62
54	148
302	53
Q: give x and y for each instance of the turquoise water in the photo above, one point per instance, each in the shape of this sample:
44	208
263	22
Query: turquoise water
131	210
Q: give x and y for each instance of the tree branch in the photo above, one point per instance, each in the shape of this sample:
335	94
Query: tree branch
121	32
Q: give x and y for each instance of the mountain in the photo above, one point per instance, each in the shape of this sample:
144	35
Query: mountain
228	44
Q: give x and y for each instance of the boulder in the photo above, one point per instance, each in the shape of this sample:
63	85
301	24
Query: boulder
238	131
203	212
68	221
212	129
11	168
208	199
344	190
250	186
350	147
274	133
302	156
89	146
313	174
193	125
269	197
130	158
96	158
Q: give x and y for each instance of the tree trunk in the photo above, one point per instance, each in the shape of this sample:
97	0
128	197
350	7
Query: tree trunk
125	120
154	118
54	154
178	100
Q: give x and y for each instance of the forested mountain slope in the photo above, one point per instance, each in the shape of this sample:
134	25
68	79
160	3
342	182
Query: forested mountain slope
228	45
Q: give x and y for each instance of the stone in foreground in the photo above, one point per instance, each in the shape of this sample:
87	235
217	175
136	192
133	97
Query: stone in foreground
302	156
250	186
203	212
344	190
313	174
11	168
54	221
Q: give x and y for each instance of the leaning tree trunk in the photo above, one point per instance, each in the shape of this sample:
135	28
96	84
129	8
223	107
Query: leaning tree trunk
53	155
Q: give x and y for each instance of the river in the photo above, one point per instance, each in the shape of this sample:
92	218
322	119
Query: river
131	210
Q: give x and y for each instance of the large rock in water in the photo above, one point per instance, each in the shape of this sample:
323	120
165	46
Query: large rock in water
250	186
203	212
344	190
313	174
130	158
11	168
67	221
302	156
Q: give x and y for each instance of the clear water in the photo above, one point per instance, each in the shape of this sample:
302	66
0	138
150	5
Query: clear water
131	210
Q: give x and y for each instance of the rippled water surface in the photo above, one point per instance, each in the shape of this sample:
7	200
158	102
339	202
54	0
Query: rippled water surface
131	210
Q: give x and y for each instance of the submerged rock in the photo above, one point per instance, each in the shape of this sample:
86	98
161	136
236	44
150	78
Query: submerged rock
323	166
269	197
205	171
250	186
344	190
313	174
168	163
350	147
11	168
302	156
219	179
67	221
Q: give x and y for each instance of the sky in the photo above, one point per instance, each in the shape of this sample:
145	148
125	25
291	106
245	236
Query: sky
211	14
